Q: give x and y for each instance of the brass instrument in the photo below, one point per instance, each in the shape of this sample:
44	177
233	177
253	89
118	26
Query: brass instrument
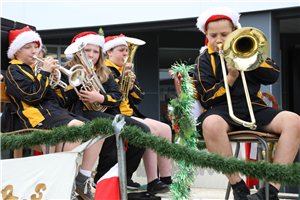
91	79
125	83
244	49
75	76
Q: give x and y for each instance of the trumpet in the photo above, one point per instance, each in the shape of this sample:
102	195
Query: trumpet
91	79
245	49
75	76
125	83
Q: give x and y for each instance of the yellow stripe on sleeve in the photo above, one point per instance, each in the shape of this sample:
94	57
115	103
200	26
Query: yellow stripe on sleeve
219	93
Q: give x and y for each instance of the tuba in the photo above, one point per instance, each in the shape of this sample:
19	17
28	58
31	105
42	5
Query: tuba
245	49
91	79
75	76
125	83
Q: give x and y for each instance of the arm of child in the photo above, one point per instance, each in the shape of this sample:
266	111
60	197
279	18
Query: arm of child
267	73
112	98
136	93
21	83
209	91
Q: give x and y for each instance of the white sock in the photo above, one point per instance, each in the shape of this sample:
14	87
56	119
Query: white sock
86	172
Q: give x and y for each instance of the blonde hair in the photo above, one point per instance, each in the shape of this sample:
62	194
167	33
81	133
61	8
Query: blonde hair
101	70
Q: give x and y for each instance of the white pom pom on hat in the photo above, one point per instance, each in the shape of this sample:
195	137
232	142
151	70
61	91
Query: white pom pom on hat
18	38
216	13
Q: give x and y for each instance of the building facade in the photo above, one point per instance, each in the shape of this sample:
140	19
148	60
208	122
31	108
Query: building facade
170	41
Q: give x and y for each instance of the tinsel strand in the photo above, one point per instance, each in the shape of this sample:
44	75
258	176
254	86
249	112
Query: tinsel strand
183	120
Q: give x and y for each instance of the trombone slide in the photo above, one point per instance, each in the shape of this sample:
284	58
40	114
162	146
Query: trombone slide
251	124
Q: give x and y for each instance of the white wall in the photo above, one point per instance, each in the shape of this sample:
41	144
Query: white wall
55	14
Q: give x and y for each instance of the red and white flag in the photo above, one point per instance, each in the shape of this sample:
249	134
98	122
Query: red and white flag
108	186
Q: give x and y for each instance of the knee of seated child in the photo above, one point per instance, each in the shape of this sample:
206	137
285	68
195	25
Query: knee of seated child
209	125
75	122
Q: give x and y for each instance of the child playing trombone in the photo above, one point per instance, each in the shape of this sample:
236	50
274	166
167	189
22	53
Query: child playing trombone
217	24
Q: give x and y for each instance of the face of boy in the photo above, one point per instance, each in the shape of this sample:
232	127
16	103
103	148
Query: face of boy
118	54
217	32
26	53
92	52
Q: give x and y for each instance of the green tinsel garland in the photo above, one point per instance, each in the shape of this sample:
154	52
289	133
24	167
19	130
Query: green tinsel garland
98	126
287	175
183	120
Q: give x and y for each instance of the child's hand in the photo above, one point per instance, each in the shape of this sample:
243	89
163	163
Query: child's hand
132	84
128	68
55	73
92	96
50	64
233	74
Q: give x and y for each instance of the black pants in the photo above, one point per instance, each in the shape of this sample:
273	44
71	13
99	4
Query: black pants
108	156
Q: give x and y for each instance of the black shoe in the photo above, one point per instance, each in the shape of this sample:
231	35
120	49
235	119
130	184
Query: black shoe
240	191
157	186
260	195
132	185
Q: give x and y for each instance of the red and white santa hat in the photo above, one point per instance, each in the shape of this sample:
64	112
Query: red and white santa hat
113	41
216	13
18	38
89	37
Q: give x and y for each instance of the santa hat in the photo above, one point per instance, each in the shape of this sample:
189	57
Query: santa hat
217	13
90	38
18	38
113	41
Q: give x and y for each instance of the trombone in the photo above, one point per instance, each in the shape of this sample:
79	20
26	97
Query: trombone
245	49
125	83
75	76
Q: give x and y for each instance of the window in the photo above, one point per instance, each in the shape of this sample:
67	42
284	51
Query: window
57	52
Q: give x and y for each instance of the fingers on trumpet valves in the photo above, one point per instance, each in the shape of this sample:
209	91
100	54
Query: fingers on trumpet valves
129	66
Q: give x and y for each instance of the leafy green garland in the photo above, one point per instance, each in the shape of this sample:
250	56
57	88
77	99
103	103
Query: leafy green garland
184	124
58	135
288	175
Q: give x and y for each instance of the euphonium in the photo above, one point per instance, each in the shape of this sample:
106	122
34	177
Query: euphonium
125	83
75	76
244	49
91	79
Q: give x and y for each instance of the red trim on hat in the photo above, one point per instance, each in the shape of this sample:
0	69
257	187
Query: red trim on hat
82	35
109	38
216	17
206	41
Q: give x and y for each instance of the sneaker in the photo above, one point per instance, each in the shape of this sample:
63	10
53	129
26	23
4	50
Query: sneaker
94	185
260	195
132	185
157	187
83	186
73	195
241	191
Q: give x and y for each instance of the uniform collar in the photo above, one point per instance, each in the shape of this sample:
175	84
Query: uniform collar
210	49
15	62
109	63
18	62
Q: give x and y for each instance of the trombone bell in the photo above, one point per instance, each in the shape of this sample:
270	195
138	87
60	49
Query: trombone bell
246	48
